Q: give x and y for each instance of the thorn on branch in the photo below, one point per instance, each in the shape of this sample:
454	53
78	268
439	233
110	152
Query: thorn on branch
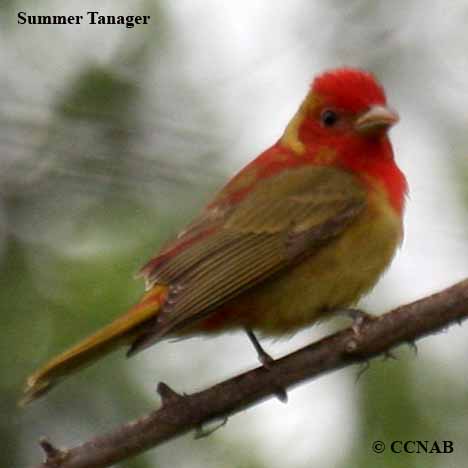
167	395
282	394
201	433
54	456
364	367
413	346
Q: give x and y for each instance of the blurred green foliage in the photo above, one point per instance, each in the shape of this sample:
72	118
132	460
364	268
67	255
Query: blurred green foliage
82	209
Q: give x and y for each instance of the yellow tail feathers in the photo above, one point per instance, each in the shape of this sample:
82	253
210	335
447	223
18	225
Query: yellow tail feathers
120	332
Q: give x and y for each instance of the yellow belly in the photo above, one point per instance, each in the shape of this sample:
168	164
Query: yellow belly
335	277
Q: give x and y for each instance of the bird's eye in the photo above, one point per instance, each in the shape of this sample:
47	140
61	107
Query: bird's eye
329	118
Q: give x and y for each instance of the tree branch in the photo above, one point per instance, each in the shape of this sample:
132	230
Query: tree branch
180	414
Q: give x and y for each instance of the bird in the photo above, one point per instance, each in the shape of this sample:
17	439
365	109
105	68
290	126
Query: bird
301	232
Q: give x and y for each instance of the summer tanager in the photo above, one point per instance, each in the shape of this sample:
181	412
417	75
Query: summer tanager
303	230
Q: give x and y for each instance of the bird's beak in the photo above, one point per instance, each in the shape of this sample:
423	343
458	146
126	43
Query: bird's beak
376	118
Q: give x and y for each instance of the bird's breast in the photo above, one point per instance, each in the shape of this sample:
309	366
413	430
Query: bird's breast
335	276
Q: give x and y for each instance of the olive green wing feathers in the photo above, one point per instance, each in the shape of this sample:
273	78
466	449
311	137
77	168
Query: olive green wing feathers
286	218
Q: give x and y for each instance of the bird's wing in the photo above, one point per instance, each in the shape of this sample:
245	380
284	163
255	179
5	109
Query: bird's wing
219	256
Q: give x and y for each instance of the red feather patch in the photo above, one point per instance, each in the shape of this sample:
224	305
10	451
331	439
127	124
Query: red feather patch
349	89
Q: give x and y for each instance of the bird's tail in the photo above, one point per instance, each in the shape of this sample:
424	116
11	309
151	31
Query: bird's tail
120	332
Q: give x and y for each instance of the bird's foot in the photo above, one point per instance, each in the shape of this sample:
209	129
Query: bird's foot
267	362
359	318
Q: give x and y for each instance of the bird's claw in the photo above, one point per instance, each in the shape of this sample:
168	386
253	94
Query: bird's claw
359	318
268	363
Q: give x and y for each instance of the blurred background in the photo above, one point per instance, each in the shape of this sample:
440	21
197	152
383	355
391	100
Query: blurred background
111	139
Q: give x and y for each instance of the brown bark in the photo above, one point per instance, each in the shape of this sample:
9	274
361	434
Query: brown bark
180	414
